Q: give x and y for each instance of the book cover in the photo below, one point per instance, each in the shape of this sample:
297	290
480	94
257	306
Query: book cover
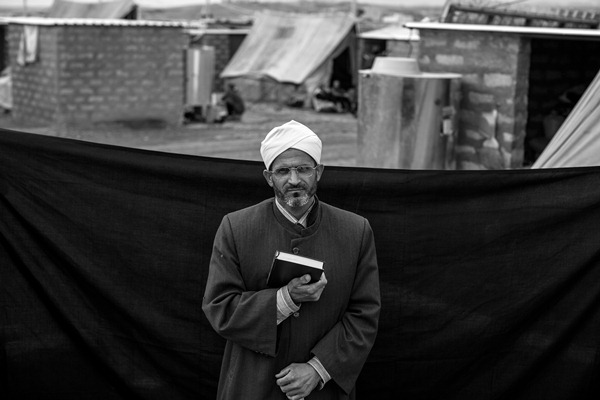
287	266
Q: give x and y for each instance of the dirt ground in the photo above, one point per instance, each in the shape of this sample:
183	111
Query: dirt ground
235	139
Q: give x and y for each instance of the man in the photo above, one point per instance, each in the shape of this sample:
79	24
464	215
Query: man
234	103
306	339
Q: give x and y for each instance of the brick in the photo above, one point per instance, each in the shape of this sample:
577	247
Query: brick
449	59
505	119
434	42
467	44
497	80
481	98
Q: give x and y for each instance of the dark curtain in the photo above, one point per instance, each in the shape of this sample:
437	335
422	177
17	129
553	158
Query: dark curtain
490	279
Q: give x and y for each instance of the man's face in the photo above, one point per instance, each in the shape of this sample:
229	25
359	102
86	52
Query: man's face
294	190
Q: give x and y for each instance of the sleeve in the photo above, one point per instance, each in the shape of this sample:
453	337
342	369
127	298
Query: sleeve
345	348
285	305
248	318
323	374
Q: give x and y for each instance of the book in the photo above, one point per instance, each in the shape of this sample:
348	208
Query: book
287	266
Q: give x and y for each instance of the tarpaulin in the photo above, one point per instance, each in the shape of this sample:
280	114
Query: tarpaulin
114	9
490	279
289	47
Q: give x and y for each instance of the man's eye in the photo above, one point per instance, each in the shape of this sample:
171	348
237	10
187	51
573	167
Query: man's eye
303	169
282	171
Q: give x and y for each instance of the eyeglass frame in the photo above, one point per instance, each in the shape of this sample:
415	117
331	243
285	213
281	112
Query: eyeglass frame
274	172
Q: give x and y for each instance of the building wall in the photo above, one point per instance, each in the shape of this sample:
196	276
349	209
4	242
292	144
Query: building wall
35	98
93	73
494	87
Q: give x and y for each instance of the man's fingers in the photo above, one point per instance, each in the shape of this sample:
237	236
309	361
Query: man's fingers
282	373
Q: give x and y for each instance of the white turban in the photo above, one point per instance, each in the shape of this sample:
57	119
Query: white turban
291	135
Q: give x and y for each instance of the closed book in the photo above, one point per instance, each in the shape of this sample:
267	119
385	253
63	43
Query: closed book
287	266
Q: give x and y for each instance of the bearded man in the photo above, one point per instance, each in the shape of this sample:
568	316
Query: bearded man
305	339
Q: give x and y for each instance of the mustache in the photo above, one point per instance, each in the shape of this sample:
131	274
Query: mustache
295	187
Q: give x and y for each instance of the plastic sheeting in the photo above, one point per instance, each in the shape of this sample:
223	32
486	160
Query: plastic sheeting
289	47
577	142
490	280
116	9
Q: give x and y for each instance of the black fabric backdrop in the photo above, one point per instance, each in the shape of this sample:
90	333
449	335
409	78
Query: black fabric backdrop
490	280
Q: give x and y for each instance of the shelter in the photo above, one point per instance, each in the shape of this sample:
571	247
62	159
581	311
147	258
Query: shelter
513	77
117	9
88	70
299	49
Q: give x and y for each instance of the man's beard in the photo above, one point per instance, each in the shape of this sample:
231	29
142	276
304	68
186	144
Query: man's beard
295	199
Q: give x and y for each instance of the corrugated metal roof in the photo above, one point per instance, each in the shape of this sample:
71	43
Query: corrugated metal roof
520	30
218	31
101	22
392	32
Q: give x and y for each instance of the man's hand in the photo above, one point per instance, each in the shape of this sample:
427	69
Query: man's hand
302	291
297	380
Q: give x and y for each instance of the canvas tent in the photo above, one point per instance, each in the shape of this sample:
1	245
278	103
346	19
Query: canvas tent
294	48
207	10
577	142
117	9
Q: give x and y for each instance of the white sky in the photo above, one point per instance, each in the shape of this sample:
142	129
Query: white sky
171	3
594	4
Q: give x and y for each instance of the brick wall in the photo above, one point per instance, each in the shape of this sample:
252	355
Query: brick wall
493	114
35	98
92	73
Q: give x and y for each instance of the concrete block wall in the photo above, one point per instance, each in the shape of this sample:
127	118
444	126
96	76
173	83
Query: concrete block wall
494	87
99	73
35	98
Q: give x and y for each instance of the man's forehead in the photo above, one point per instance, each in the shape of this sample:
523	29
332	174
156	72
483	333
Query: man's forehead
293	156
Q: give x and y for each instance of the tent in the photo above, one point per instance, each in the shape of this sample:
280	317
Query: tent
218	12
294	48
117	9
577	142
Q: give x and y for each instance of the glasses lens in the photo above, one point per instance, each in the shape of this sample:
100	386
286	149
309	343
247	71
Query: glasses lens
282	172
302	170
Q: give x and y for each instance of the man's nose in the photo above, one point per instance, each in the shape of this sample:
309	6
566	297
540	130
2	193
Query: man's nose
294	177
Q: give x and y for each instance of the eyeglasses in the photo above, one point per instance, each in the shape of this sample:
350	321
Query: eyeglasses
303	171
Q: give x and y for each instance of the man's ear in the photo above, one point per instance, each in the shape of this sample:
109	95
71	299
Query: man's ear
320	169
268	177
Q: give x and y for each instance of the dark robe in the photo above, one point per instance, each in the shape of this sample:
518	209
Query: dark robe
339	329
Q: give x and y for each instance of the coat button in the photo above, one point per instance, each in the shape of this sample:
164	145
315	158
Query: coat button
296	250
296	314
